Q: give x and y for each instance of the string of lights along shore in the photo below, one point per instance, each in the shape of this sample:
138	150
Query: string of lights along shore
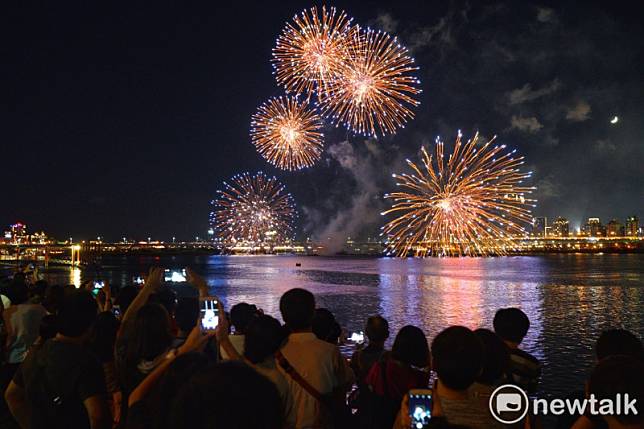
474	205
253	209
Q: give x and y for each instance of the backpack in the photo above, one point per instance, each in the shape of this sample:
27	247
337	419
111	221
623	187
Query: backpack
378	411
54	409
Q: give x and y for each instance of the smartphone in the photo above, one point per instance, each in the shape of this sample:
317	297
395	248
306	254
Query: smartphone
116	311
138	280
175	276
95	292
357	337
420	407
209	313
99	284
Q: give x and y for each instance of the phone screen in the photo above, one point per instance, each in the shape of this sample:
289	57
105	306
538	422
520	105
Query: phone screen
138	280
209	314
99	285
357	337
420	407
175	276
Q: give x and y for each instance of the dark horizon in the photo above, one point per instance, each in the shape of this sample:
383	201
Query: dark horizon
125	120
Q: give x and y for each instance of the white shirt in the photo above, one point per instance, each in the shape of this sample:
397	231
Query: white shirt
238	343
322	366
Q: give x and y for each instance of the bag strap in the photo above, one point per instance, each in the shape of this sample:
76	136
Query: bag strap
383	373
288	368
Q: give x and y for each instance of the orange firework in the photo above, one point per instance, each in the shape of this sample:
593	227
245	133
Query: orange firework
287	133
475	204
310	51
374	94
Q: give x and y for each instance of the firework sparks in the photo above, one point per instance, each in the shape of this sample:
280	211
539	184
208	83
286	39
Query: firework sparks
310	51
374	94
253	209
473	204
287	133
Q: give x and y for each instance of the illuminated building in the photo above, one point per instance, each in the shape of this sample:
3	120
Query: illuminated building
560	227
614	229
632	226
540	227
17	233
593	227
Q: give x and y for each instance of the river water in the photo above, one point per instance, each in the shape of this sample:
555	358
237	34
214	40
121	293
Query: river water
569	298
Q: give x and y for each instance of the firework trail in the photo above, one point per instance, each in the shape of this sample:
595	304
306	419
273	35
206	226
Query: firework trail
473	204
374	93
253	209
310	51
287	133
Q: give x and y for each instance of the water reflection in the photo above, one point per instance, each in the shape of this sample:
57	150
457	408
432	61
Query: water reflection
568	298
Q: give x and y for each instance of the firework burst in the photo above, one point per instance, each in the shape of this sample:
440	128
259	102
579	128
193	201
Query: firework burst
287	133
473	204
374	94
253	209
310	51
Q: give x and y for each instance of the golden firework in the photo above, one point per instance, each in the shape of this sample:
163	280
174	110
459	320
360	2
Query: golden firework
310	51
473	204
287	133
253	210
374	94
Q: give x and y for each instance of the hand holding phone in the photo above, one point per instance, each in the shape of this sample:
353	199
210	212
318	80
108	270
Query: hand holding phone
420	407
209	313
175	276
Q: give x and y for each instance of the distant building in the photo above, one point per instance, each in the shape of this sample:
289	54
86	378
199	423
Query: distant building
593	227
614	229
560	227
540	226
632	226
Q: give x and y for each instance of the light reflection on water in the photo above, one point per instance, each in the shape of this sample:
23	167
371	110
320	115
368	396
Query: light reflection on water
569	298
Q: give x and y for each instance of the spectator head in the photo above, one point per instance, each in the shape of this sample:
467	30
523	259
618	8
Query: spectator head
410	347
241	315
511	324
125	297
18	293
325	327
187	313
53	298
167	298
151	334
104	336
180	370
223	396
298	308
38	289
264	336
377	329
48	327
457	356
619	375
618	342
496	357
77	314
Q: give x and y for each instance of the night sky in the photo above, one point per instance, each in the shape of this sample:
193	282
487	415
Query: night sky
123	120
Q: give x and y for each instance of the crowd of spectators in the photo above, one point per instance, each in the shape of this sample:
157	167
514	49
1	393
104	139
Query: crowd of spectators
83	358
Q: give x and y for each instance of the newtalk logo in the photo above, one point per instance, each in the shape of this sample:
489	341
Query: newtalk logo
510	404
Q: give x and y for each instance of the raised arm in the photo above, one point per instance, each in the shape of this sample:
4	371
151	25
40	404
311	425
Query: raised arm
196	341
198	282
152	284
